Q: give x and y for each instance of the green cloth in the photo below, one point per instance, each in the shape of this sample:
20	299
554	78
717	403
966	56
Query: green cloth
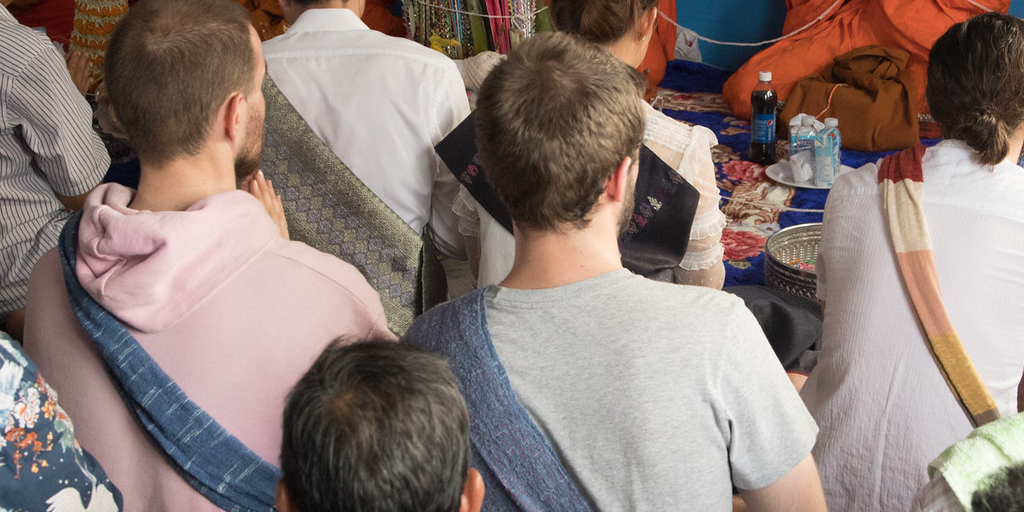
543	22
968	465
330	209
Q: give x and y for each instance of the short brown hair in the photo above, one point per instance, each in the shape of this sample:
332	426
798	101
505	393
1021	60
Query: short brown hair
599	21
553	122
170	66
976	83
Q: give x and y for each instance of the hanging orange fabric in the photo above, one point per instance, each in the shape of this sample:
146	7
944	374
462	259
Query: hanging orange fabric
268	18
911	25
661	49
377	15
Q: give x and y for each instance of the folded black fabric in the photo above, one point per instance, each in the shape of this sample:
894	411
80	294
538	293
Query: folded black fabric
792	324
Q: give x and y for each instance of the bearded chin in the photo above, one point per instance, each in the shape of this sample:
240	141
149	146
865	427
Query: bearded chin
627	210
246	165
249	159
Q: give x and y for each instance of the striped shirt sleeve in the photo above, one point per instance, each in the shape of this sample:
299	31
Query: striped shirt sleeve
57	126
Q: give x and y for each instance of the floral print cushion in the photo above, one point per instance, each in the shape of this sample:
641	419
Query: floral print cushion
42	467
754	205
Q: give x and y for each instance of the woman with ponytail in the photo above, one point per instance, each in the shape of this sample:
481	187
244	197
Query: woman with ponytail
948	218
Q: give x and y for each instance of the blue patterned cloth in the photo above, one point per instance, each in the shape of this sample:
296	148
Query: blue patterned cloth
213	461
42	467
697	100
520	469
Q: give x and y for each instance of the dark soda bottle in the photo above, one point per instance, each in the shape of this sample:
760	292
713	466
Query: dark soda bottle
762	120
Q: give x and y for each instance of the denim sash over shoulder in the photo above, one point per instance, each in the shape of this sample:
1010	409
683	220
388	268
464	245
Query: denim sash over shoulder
213	461
520	468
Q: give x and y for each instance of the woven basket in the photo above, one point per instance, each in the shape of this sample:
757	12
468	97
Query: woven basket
800	242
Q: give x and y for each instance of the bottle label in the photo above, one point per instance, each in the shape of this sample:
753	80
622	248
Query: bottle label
801	142
762	128
826	157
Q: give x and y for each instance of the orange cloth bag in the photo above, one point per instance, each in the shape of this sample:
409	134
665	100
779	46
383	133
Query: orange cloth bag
872	94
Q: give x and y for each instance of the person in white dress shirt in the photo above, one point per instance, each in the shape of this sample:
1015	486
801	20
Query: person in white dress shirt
881	402
380	103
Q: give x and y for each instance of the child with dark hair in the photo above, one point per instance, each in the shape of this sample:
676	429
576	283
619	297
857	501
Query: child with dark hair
974	471
1004	494
377	426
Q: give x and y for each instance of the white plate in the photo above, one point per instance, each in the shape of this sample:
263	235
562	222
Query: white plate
782	172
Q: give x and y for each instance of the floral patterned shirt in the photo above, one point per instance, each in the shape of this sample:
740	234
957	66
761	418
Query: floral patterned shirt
42	467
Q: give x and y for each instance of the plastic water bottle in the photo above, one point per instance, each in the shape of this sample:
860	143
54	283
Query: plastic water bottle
826	153
762	120
801	153
803	139
794	125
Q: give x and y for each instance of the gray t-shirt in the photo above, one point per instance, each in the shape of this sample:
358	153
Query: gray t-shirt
655	396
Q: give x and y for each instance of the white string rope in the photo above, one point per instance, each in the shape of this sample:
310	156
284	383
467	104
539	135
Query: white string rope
770	206
762	43
791	34
976	4
672	21
489	16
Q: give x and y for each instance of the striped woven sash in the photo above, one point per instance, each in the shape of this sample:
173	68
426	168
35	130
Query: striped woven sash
330	209
901	183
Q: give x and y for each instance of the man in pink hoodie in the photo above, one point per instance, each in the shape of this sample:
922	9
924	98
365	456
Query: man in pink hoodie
191	274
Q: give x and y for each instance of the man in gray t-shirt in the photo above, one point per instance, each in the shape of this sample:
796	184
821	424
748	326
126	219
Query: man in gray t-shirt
653	396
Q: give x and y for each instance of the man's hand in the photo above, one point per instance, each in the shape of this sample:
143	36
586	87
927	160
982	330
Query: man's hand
80	68
263	189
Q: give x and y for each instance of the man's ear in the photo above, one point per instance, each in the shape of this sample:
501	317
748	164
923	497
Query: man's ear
472	492
282	500
233	112
619	180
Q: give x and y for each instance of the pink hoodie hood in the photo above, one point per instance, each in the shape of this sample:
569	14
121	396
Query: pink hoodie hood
150	269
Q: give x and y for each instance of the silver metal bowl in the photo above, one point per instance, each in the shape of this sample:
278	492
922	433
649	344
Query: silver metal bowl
799	242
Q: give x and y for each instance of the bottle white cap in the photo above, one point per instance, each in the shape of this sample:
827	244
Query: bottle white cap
831	122
807	121
765	76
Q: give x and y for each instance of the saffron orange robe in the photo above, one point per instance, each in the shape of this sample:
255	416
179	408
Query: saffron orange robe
377	15
913	25
661	49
